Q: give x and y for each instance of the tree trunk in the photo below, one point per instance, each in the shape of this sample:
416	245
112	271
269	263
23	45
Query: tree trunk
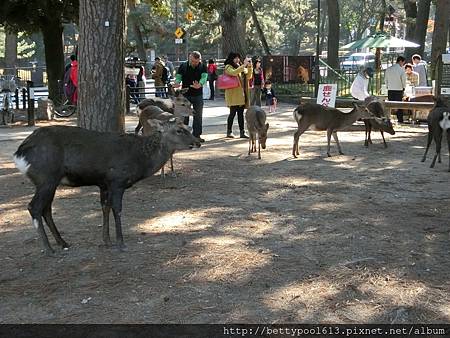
101	81
333	33
258	27
439	43
411	17
323	24
383	12
233	30
423	14
52	32
10	53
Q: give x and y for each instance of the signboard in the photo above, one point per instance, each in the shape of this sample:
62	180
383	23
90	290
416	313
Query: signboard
189	16
179	32
178	41
289	69
327	95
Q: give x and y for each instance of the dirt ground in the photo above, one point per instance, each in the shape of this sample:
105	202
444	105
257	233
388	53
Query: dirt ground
355	238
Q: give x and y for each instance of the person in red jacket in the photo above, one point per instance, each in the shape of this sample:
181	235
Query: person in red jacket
74	79
212	76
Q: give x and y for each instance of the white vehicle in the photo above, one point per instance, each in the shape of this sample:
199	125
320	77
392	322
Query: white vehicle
356	61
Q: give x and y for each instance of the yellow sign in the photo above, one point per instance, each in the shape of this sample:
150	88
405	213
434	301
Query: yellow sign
189	16
179	32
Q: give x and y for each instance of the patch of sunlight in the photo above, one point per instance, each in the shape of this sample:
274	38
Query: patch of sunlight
418	147
177	221
220	240
14	218
309	295
224	260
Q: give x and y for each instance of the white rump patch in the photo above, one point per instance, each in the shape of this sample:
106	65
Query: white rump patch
21	164
445	123
35	223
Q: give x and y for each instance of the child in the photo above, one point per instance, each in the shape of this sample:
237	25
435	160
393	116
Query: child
271	99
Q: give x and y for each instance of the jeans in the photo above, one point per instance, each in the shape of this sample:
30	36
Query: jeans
211	88
197	104
396	95
255	94
240	113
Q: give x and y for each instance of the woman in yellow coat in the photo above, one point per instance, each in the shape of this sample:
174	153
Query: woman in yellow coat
237	99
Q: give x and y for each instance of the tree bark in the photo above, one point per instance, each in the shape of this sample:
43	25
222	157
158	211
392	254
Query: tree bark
52	32
101	81
233	29
423	14
258	27
10	53
333	33
411	18
439	43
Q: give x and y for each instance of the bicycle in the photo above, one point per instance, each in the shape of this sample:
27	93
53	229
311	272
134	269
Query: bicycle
7	86
63	107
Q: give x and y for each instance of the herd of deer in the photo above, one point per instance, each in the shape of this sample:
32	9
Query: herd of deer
62	155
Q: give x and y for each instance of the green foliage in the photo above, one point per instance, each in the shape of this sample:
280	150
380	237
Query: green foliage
32	15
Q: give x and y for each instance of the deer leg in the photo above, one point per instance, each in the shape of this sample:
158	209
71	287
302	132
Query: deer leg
51	225
259	149
297	134
337	141
105	201
138	128
250	144
117	195
42	198
430	139
437	135
366	126
440	145
369	139
384	141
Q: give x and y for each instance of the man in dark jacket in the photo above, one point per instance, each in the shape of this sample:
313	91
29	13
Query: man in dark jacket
193	74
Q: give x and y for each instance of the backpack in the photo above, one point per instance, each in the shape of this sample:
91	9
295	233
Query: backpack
165	74
69	87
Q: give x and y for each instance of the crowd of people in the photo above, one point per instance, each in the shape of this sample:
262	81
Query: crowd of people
397	78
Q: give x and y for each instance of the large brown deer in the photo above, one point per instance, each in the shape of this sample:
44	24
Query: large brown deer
324	118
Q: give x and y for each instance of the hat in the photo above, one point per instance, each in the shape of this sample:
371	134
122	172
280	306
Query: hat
369	72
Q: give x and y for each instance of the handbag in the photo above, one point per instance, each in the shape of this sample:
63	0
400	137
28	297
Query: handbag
225	81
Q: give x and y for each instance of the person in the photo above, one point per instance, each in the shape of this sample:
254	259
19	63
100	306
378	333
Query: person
72	58
412	77
193	75
170	67
359	87
395	79
74	78
271	99
141	80
212	76
420	67
256	83
157	75
237	99
131	81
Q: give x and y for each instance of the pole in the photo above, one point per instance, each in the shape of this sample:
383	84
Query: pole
177	51
316	68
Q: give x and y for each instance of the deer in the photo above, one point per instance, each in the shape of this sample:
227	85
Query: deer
63	155
438	121
325	118
155	113
176	104
380	120
256	125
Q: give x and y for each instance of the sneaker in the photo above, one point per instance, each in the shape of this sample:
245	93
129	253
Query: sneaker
243	135
201	140
230	135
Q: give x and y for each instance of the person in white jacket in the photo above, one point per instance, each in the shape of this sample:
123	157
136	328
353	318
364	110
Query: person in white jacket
359	88
395	79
